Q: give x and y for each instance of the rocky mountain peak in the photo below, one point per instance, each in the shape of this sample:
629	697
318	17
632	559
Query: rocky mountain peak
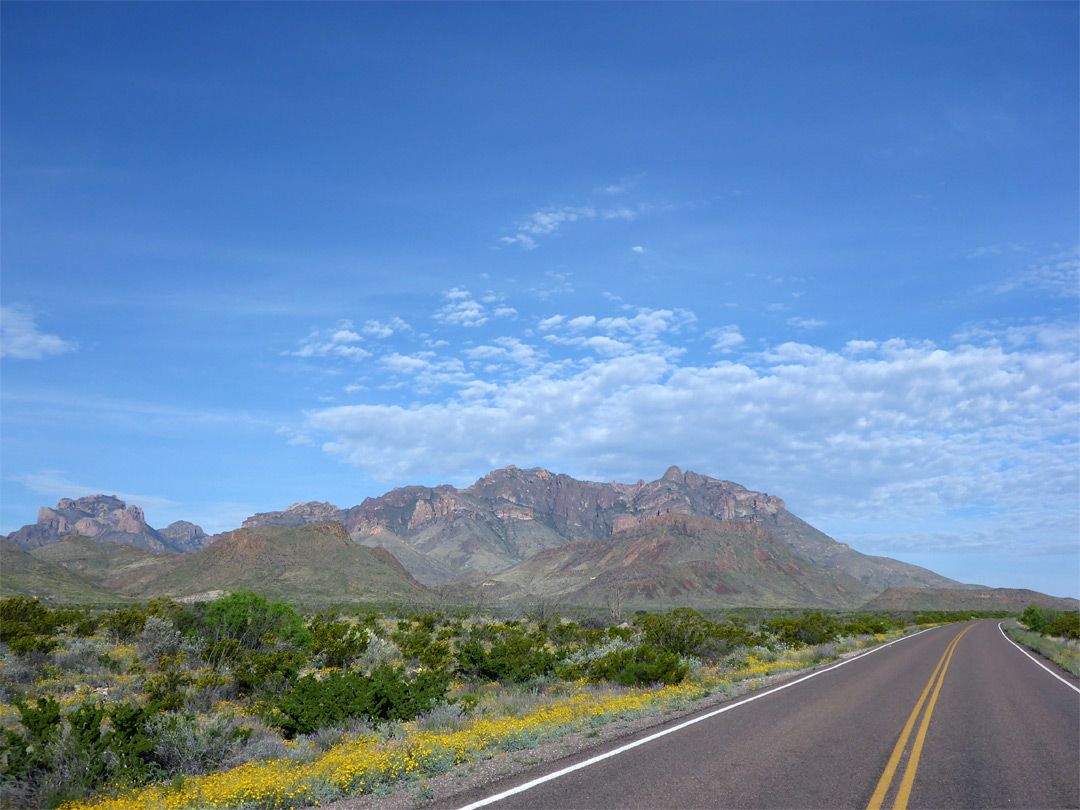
104	518
674	474
185	536
299	514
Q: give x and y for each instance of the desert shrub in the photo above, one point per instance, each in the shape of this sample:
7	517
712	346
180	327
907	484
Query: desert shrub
26	755
386	694
515	660
125	623
867	624
158	638
57	758
635	666
812	627
380	651
81	655
337	643
251	621
1047	622
19	616
262	674
167	684
28	627
412	641
184	745
685	632
86	626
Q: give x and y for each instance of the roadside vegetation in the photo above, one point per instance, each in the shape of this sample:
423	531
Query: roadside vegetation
1054	634
243	702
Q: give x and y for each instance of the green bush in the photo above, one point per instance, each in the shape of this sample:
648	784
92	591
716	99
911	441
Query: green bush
685	632
811	628
26	755
515	660
384	695
338	643
1047	622
638	666
252	622
263	674
125	623
28	627
58	758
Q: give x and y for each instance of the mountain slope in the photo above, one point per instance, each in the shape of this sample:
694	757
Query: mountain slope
25	575
671	560
1010	599
307	565
511	514
122	569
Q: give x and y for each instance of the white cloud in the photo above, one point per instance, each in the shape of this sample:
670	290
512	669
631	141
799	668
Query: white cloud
555	284
1057	274
726	338
805	323
21	340
638	249
549	221
53	483
904	432
623	186
378	329
335	342
344	336
461	309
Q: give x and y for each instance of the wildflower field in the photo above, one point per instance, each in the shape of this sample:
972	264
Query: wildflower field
242	703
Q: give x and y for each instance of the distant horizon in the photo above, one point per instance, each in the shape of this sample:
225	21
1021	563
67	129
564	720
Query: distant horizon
346	506
267	252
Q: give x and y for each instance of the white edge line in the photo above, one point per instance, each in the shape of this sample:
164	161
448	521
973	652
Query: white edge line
586	763
1036	660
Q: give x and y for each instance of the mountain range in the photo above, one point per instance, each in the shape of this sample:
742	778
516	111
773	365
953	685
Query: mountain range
514	535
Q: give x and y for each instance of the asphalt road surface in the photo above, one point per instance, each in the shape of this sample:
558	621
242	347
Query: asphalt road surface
954	717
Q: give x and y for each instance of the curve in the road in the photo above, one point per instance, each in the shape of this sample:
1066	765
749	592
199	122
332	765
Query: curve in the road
700	718
1072	686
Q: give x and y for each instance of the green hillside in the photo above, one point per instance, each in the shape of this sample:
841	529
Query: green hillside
316	564
22	574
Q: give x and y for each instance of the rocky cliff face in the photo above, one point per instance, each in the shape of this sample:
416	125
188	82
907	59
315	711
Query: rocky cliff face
185	537
107	519
299	514
512	514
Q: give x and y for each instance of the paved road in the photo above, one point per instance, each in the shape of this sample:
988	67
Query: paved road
985	728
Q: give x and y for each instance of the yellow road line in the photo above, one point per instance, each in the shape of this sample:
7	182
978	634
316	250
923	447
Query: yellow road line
898	750
904	793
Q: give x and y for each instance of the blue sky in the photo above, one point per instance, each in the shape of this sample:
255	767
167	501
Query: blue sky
256	254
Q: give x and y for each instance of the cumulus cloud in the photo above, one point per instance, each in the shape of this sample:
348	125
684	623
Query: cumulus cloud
895	430
335	342
726	338
461	309
638	249
645	330
21	340
380	330
549	221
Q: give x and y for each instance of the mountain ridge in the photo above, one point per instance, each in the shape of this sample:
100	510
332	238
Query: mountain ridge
514	522
107	519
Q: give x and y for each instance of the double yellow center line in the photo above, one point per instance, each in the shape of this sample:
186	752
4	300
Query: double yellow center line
904	793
